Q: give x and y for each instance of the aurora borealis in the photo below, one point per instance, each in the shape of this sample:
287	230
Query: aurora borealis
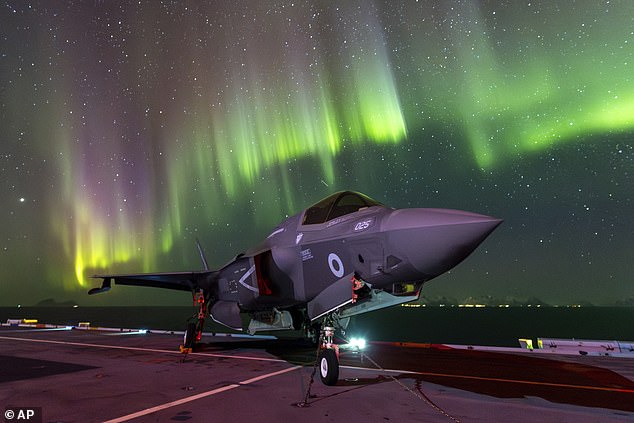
129	129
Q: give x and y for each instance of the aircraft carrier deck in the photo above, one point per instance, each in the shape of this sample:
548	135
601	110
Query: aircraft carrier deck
91	375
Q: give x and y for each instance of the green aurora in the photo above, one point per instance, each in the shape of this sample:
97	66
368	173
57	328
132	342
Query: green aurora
131	129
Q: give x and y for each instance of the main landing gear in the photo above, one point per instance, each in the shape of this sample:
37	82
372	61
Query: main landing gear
194	330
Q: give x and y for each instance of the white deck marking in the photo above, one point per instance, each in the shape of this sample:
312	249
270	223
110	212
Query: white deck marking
118	347
36	330
198	396
172	404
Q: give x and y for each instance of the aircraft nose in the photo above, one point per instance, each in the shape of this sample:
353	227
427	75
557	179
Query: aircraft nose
435	240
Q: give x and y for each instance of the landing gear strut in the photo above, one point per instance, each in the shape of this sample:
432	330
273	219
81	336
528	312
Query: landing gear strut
328	357
328	353
194	330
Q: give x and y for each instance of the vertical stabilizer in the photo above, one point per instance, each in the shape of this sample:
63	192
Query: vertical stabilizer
202	255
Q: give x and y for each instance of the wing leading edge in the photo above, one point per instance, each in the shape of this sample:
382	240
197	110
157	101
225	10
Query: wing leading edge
181	281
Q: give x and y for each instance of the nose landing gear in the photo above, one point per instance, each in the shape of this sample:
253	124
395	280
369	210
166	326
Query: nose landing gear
328	357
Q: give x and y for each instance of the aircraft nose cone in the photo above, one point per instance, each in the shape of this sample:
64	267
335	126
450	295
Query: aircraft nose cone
435	240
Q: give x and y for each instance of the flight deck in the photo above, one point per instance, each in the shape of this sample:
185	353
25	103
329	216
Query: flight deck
72	375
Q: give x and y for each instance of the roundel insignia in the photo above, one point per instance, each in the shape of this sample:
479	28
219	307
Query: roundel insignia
336	265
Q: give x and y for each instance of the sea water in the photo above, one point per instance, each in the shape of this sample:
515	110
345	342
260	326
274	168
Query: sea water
440	325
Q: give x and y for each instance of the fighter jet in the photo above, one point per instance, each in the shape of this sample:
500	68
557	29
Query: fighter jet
345	255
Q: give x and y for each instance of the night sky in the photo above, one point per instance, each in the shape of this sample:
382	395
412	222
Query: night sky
129	129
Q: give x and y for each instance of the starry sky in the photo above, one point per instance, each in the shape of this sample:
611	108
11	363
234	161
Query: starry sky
131	128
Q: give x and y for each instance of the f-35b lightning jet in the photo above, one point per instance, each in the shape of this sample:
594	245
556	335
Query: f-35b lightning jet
346	255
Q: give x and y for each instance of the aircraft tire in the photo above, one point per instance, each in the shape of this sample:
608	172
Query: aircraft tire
190	335
328	367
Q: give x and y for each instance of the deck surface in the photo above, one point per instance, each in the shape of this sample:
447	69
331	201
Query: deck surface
89	375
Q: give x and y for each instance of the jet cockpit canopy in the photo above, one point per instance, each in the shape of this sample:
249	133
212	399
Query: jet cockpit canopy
336	205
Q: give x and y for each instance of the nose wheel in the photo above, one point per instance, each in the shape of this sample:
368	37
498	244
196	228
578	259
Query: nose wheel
328	357
328	367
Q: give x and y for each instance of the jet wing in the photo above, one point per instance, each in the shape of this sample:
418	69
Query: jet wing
181	281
